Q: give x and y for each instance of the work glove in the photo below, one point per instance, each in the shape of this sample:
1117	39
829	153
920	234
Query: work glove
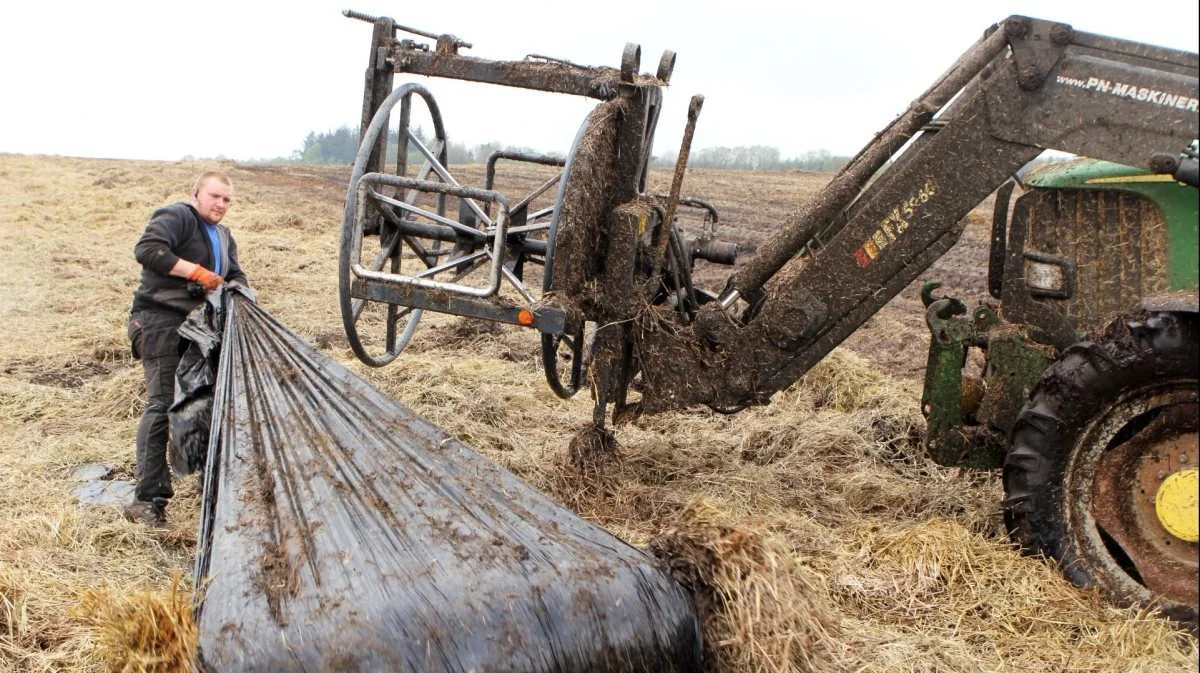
208	279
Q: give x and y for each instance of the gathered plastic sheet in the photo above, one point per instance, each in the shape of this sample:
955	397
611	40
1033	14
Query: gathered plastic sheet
340	531
190	414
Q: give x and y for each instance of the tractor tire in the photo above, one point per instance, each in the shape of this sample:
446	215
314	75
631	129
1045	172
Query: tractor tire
1101	472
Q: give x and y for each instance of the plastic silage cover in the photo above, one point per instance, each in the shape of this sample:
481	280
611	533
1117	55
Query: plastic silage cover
191	410
340	531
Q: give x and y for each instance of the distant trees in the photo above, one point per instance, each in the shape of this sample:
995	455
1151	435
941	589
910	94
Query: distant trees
340	146
821	161
758	158
752	157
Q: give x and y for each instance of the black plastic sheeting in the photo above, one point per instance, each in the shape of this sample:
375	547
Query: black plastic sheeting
190	415
340	531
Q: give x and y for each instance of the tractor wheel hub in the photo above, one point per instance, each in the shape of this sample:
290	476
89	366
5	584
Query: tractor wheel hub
1177	504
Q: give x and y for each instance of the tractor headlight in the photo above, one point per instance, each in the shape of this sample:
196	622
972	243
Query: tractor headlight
1048	275
1045	277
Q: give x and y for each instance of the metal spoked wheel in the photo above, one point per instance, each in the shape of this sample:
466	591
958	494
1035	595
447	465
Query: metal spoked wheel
553	349
1102	473
378	219
417	255
570	203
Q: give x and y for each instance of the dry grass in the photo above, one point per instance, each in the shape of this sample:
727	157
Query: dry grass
142	632
836	545
763	611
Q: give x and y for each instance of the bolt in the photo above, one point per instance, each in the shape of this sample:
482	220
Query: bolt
1061	34
1017	27
1183	458
1163	163
1029	77
1161	475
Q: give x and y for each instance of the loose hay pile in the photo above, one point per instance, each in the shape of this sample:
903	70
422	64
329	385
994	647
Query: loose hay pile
896	564
142	632
762	610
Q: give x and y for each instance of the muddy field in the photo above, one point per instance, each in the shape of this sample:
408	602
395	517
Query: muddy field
903	565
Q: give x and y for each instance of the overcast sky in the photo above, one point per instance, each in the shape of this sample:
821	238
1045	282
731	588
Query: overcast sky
161	80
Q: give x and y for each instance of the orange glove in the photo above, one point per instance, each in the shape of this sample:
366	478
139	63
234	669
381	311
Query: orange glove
208	279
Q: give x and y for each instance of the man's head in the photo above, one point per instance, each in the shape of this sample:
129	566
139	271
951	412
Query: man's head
212	195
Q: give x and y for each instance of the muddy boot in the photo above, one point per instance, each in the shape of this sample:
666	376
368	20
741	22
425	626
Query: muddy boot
153	513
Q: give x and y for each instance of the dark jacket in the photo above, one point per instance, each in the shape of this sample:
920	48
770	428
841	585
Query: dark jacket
175	232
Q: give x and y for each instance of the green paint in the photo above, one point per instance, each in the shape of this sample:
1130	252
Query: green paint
962	437
1015	364
955	435
952	437
1178	202
941	401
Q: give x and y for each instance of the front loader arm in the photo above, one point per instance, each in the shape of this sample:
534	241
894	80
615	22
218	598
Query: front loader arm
1028	85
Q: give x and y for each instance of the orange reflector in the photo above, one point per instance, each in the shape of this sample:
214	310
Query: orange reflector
525	318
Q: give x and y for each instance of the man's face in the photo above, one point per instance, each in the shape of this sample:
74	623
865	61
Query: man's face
212	200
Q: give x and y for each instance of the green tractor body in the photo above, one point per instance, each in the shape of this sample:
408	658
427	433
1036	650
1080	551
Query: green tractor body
1088	398
1086	242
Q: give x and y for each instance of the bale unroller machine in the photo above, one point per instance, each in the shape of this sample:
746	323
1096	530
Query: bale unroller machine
1088	401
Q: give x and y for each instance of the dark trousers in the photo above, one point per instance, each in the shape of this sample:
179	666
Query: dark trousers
155	339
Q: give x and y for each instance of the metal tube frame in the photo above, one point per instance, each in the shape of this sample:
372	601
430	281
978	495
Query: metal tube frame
496	254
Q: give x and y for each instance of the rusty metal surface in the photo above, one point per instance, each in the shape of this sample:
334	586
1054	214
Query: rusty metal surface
1013	93
898	225
1108	423
685	148
1145	99
453	42
584	199
555	77
378	87
545	318
1122	498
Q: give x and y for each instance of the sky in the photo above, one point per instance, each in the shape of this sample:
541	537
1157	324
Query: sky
249	80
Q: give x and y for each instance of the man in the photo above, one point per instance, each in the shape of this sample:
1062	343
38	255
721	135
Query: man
185	253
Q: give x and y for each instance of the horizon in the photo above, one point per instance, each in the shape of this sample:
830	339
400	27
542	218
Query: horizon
795	78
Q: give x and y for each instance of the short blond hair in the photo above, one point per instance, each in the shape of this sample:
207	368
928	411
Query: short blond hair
211	175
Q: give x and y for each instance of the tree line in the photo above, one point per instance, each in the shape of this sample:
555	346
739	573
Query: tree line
759	158
340	146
